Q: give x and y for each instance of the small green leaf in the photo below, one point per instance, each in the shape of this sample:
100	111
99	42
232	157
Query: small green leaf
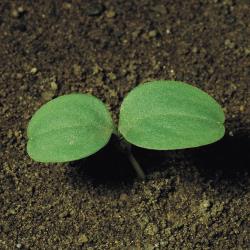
68	128
170	115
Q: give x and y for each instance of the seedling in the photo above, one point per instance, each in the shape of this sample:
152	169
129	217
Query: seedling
160	115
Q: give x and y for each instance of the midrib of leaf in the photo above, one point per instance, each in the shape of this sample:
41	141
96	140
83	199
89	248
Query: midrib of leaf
67	127
167	115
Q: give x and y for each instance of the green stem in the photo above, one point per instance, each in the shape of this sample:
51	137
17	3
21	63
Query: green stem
140	173
125	147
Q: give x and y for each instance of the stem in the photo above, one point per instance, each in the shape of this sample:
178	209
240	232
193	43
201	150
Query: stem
140	173
125	148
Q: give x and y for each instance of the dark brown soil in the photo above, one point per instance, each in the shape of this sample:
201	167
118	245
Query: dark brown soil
192	199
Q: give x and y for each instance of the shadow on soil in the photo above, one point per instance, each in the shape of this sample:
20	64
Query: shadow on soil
229	158
226	159
108	166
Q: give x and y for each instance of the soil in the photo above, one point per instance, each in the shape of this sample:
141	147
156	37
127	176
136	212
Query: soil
191	199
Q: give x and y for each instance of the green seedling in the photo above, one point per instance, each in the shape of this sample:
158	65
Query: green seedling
160	115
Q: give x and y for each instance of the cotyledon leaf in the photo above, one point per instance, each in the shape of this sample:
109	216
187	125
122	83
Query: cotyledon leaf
70	127
166	115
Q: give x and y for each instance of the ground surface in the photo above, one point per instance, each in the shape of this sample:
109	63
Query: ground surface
192	199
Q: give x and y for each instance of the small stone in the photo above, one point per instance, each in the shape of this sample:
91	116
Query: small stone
19	76
151	229
160	8
149	247
152	33
96	69
53	85
17	133
194	50
9	133
205	204
168	31
82	239
123	197
47	95
242	108
111	76
34	70
14	13
66	6
20	9
229	44
143	222
18	245
77	71
110	14
94	9
247	51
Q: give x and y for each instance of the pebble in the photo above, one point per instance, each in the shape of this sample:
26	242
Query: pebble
168	31
152	33
18	245
111	76
47	95
34	70
247	51
9	134
123	197
66	6
53	85
95	9
194	50
205	205
19	76
77	70
110	14
242	108
16	13
151	229
229	44
82	239
160	8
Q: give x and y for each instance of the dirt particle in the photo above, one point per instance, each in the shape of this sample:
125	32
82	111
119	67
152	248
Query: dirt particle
16	13
53	85
47	95
95	9
242	108
229	44
66	6
194	50
205	205
123	197
77	70
9	133
160	9
82	239
19	76
247	51
33	70
18	245
111	76
151	229
110	14
153	33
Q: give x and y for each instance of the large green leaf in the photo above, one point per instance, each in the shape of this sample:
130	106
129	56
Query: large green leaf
170	115
68	128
